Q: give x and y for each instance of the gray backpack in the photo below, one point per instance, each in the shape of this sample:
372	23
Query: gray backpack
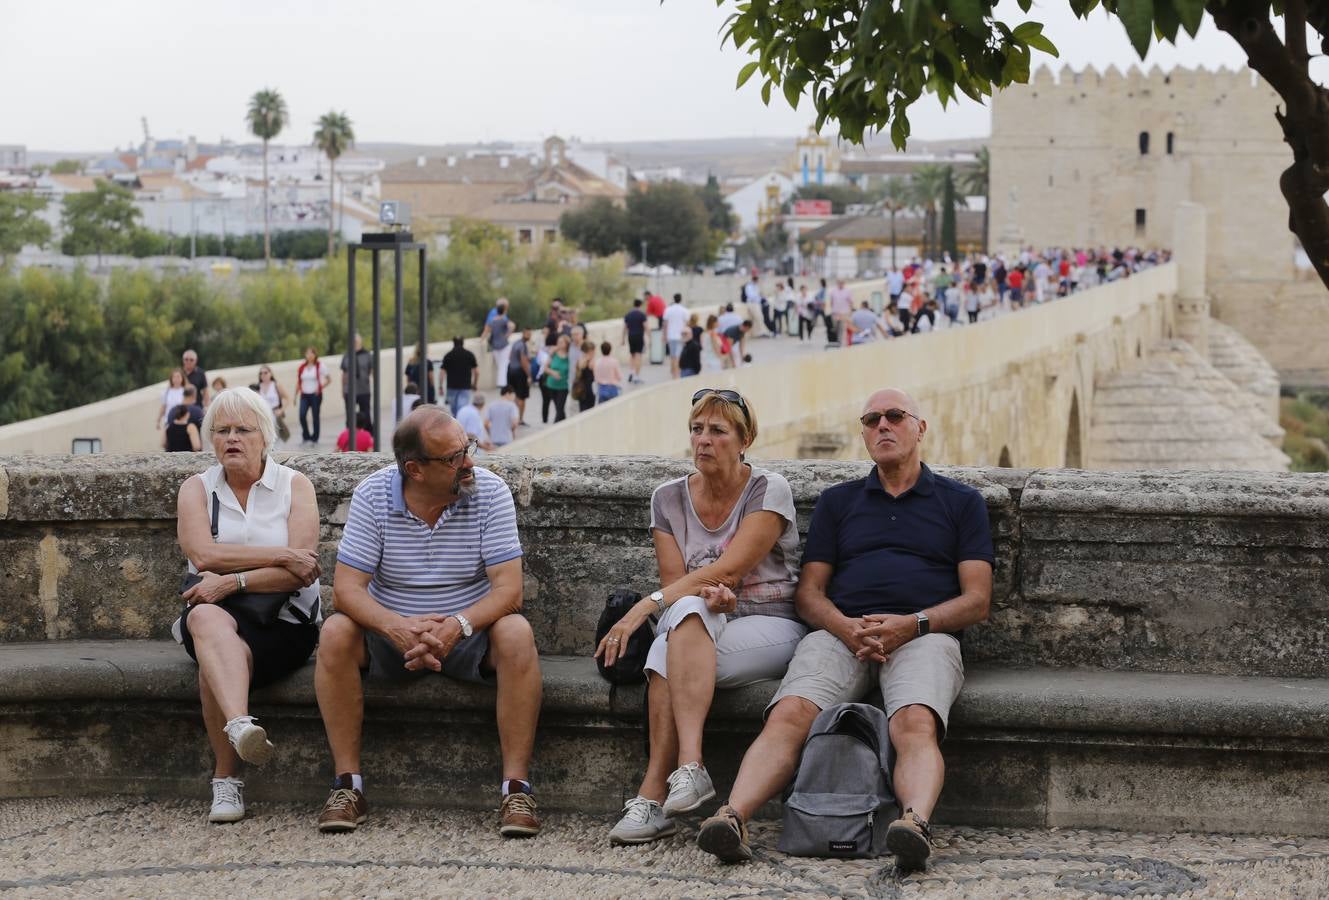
841	801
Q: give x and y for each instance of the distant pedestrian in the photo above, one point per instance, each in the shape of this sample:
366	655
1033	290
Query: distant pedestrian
364	371
172	397
461	372
713	354
556	380
503	418
218	385
195	376
842	307
424	379
675	325
497	339
471	418
689	361
276	397
181	435
608	374
195	411
519	372
312	377
583	385
364	436
634	335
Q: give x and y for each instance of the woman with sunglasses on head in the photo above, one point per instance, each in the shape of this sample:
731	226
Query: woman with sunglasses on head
726	541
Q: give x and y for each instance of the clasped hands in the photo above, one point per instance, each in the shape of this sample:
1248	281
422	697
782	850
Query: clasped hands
874	637
425	641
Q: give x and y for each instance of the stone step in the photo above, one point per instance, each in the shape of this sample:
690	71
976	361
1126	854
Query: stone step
1037	746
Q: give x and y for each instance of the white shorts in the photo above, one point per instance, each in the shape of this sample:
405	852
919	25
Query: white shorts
747	649
501	358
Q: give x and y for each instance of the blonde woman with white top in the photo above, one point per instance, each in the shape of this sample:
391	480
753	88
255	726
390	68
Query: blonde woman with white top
246	525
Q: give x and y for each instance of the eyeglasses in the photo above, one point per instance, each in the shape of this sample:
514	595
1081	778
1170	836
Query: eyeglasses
893	415
238	430
731	396
452	460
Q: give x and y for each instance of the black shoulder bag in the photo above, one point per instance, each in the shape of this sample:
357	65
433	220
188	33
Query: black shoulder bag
630	666
258	609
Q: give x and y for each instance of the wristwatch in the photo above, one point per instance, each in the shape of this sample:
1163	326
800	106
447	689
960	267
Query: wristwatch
240	582
658	599
466	629
923	625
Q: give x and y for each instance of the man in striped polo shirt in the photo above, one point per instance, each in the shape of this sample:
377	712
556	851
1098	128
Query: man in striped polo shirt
429	579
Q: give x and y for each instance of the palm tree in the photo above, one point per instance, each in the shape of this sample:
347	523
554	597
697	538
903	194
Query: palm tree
267	116
928	183
333	135
974	182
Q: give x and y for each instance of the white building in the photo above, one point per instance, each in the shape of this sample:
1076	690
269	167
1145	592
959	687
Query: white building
759	201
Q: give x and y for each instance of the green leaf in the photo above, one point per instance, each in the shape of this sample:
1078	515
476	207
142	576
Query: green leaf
1083	8
910	8
766	92
1190	12
1031	34
793	90
814	47
745	73
1166	22
899	131
968	13
1138	17
1025	5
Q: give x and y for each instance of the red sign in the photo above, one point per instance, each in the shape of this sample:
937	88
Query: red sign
812	207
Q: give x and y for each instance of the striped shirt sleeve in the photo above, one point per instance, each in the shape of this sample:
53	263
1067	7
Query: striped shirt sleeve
361	545
499	541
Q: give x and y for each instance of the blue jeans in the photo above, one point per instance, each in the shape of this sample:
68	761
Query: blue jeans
457	398
607	392
310	403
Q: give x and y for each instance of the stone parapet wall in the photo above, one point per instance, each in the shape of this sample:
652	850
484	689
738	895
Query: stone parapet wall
1208	573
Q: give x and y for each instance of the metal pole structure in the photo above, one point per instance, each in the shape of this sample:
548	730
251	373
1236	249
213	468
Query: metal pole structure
397	297
350	351
375	407
424	374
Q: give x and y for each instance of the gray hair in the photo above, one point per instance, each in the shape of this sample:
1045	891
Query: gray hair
238	401
407	441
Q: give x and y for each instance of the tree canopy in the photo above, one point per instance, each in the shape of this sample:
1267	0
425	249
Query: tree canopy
864	63
20	224
98	221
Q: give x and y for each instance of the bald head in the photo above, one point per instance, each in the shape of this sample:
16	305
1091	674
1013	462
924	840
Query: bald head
892	397
408	441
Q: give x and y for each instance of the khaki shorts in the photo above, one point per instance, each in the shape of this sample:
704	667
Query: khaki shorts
927	671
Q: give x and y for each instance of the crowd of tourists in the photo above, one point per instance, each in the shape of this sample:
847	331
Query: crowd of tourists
428	583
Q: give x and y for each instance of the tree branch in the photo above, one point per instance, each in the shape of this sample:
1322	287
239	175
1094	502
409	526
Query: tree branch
1294	34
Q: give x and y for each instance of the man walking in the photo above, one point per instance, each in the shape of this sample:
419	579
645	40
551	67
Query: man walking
842	307
364	370
497	338
634	335
675	325
429	580
461	372
896	566
195	376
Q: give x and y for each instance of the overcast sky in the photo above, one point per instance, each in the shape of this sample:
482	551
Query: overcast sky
79	74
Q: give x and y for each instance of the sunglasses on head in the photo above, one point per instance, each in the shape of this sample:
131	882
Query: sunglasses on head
893	415
729	396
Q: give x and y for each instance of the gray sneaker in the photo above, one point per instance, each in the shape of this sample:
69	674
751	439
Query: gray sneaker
689	787
228	800
643	821
249	740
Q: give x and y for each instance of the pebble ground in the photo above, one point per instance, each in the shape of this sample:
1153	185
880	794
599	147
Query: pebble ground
130	847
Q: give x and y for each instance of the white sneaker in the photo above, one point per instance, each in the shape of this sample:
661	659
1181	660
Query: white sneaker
249	740
643	821
228	800
689	787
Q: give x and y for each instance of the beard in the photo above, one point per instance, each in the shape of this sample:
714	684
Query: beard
465	487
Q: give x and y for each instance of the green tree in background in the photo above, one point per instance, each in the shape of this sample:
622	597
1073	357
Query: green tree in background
896	196
864	63
598	227
333	136
672	219
974	183
927	184
266	117
67	167
19	223
948	241
98	221
721	218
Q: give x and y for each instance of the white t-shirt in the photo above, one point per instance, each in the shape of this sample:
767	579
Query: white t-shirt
311	377
262	523
675	320
470	419
905	300
269	393
503	417
729	320
172	397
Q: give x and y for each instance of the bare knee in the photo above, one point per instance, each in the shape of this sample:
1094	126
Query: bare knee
512	641
207	622
792	716
341	640
913	724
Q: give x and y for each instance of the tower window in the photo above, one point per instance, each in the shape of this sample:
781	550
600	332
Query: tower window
1144	143
1169	143
1139	223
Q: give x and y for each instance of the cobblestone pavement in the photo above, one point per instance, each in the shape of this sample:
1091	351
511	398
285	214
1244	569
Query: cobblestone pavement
128	847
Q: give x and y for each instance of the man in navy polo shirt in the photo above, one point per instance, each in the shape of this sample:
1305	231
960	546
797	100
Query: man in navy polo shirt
896	565
429	579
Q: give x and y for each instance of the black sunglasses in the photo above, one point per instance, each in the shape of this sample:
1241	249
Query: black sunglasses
893	415
730	396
